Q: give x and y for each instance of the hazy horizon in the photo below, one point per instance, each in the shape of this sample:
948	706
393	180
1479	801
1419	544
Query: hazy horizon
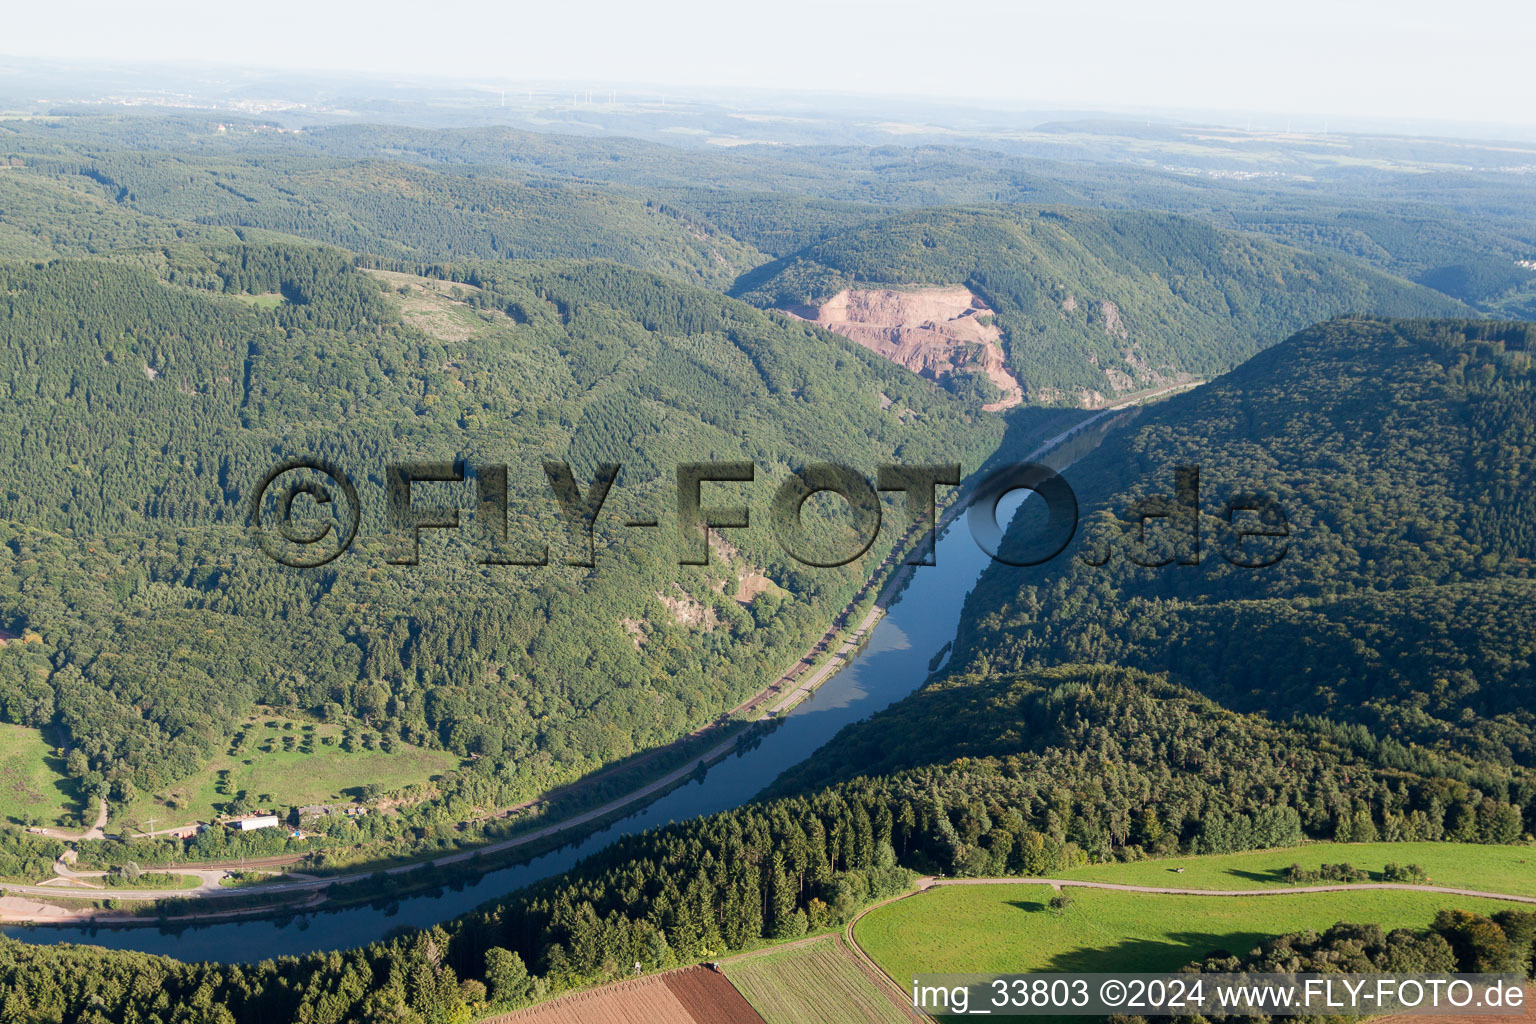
1404	63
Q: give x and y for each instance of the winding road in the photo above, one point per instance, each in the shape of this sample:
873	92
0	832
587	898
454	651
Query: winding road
924	884
96	831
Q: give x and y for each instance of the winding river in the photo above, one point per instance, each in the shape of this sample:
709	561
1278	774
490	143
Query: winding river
891	665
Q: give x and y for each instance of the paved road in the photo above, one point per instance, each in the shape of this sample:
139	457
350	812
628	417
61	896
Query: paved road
805	686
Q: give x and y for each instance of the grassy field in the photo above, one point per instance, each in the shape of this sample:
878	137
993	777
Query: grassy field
818	983
428	305
151	880
33	787
268	300
1010	929
278	762
1510	869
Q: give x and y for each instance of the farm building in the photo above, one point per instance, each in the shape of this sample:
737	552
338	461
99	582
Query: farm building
254	821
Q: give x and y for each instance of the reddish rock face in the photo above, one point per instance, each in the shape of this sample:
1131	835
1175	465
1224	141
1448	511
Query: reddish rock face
931	331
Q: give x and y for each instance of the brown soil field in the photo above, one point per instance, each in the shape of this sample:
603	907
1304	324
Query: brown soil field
710	998
696	995
1524	1015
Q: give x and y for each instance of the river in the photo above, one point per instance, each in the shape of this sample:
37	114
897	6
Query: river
891	665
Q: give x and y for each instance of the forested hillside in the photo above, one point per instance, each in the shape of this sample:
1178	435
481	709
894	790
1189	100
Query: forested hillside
471	185
402	210
1400	454
1095	304
43	216
147	394
1477	263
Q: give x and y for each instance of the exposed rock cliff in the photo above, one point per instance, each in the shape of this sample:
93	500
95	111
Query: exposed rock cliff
931	331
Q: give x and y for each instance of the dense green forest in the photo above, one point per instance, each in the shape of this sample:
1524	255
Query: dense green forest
1462	235
45	216
404	210
339	365
1456	941
1093	304
1458	233
146	396
1400	454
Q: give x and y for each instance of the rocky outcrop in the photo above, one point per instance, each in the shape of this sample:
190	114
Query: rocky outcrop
931	331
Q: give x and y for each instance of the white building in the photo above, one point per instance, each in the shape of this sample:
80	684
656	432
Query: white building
255	821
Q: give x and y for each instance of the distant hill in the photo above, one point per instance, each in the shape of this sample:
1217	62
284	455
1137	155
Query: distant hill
1475	262
392	209
43	216
1096	304
1375	683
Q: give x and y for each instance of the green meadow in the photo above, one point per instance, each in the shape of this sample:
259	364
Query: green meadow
278	763
33	787
1011	929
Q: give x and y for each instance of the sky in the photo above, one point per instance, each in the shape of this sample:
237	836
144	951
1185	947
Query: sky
1468	61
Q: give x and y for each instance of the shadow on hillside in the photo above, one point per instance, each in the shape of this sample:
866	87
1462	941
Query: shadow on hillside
1029	905
1166	954
69	788
1266	877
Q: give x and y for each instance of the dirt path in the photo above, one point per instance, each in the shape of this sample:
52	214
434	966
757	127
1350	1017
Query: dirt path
898	996
889	985
1289	890
96	831
90	885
